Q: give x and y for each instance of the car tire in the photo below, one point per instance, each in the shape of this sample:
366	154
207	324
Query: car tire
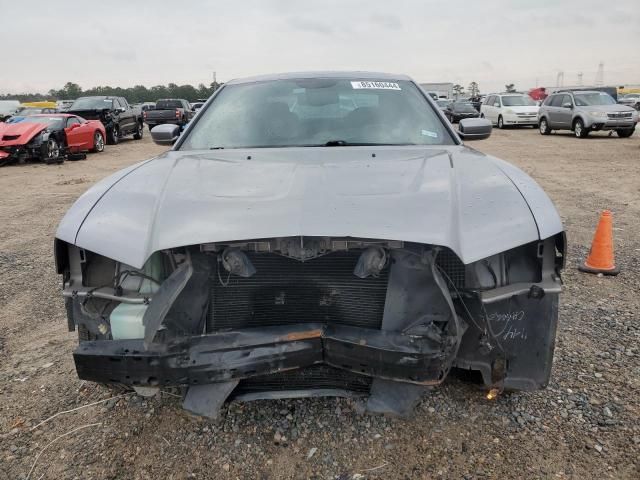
51	152
500	122
139	131
113	135
543	127
625	132
579	130
98	142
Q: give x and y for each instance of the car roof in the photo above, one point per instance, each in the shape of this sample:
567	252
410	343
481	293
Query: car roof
579	91
61	115
320	74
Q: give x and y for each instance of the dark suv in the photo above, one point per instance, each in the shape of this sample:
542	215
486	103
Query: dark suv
584	112
119	118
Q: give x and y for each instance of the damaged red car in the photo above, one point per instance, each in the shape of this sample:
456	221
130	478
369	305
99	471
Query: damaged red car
49	138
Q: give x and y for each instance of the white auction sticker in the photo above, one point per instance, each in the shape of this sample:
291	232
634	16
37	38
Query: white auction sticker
375	85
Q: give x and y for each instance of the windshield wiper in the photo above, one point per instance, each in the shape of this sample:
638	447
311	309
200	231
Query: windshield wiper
345	143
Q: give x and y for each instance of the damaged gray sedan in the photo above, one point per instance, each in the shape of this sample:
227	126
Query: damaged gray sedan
309	235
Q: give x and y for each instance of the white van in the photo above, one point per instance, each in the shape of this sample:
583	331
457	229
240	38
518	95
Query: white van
504	109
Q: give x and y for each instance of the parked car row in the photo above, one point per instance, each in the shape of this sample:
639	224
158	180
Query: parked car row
40	132
49	138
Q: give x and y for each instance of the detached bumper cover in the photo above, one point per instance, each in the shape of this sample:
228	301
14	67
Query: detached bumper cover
245	353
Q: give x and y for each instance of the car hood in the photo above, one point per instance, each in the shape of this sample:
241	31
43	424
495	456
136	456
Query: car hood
450	196
609	108
533	109
19	133
91	114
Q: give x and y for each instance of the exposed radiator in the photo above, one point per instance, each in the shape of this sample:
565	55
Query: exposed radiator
322	290
285	291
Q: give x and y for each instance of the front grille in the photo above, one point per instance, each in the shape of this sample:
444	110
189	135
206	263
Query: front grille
311	378
620	115
284	291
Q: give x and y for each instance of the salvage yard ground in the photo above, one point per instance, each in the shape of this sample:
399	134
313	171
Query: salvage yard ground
585	425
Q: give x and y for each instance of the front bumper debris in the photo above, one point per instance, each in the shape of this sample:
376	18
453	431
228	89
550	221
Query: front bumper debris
240	354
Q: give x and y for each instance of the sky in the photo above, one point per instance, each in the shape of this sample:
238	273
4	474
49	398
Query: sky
492	42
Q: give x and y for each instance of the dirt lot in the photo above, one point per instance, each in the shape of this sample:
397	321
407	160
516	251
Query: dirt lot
585	425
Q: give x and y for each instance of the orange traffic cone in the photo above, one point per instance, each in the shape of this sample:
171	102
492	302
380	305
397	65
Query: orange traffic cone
600	258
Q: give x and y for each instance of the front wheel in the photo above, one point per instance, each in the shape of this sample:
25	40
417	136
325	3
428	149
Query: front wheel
51	152
579	129
543	126
139	131
500	122
626	132
98	142
113	135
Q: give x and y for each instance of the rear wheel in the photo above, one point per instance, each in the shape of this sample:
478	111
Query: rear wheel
113	135
626	132
500	122
139	131
98	142
579	129
543	126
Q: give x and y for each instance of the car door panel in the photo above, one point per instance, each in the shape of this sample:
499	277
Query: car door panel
564	113
73	133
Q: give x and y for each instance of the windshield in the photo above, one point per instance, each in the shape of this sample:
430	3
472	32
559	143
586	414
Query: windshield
518	101
464	108
92	103
317	112
54	122
594	98
168	104
25	111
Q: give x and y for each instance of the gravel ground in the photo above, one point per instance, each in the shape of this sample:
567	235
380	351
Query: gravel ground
585	425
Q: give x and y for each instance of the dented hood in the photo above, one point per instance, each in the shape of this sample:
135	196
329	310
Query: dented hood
19	133
453	196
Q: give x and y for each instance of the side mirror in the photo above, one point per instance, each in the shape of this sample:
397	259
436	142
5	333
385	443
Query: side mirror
567	105
165	134
474	128
122	109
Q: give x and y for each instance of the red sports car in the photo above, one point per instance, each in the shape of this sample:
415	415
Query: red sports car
49	137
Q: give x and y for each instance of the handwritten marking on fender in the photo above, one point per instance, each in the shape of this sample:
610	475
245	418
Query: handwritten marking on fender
511	330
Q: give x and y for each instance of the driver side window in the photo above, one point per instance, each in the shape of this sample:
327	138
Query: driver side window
72	121
497	102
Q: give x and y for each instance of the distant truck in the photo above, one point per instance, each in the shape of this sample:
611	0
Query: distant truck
119	118
169	110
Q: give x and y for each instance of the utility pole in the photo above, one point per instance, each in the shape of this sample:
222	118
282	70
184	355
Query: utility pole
580	79
600	75
214	77
560	79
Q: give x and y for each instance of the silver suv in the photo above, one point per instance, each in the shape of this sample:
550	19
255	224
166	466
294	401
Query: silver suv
585	111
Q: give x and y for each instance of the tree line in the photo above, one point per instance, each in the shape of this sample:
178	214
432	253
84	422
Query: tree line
136	94
474	90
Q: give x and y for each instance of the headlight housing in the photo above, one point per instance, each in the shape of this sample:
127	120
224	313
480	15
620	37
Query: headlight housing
598	114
